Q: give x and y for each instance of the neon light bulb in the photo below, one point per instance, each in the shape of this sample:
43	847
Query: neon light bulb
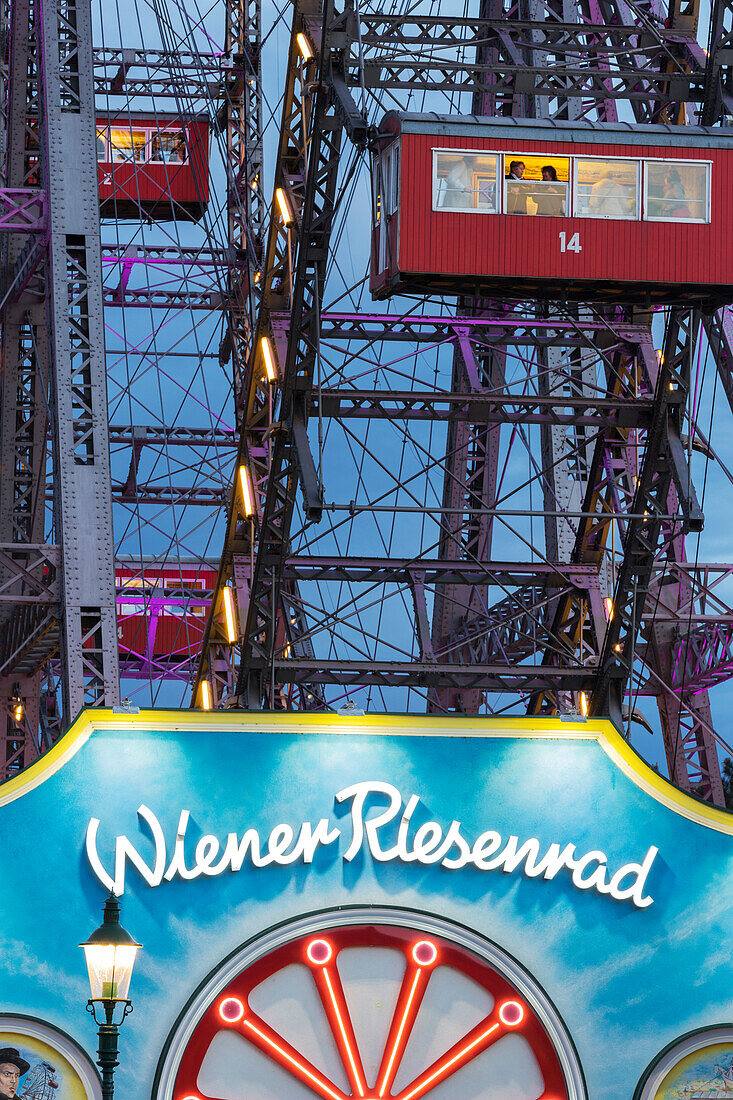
609	607
511	1013
205	695
229	615
285	212
583	701
444	1069
398	1036
319	952
319	1082
424	953
342	1029
18	712
304	46
248	504
231	1010
268	354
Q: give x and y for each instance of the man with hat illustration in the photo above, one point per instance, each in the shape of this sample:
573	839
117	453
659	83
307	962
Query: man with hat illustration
12	1068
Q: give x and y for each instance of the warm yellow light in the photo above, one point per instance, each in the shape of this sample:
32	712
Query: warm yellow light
285	212
304	46
583	700
609	607
205	695
229	615
18	712
258	277
248	504
268	354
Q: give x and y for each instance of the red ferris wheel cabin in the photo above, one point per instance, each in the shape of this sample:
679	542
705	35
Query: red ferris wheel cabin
564	209
154	166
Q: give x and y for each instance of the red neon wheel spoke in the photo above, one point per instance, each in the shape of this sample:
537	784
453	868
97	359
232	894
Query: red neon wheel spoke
287	1057
331	992
411	994
460	1054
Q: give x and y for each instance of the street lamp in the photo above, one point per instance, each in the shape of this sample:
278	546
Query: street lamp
110	955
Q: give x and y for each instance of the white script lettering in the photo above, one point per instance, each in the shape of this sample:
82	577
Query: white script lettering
429	843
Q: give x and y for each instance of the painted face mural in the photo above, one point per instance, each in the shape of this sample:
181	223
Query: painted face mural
38	1062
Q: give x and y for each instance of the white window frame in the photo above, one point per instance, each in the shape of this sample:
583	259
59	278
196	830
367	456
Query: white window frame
466	153
641	185
638	161
150	132
673	164
507	158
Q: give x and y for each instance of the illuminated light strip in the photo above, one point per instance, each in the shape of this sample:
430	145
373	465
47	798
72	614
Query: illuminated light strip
248	505
229	615
344	1036
319	1082
444	1069
398	1036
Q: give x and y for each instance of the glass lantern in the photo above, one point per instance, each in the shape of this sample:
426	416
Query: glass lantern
110	955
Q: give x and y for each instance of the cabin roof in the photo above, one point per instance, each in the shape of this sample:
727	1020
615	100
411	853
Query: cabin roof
124	117
513	129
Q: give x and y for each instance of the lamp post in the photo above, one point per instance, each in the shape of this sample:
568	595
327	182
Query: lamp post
110	956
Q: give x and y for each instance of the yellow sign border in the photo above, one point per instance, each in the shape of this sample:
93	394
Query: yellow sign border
600	730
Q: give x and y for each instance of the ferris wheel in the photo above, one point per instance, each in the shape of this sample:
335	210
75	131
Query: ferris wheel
376	1012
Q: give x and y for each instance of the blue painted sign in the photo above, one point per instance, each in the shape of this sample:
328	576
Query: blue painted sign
549	839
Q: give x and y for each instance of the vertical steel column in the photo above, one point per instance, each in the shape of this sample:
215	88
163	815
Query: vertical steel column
83	506
24	398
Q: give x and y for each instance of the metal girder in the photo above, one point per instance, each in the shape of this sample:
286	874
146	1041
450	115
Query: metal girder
274	446
671	380
718	96
416	674
484	407
22	210
129	73
82	500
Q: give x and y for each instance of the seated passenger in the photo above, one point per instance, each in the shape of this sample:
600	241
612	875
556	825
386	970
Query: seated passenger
550	199
516	192
457	193
673	201
608	197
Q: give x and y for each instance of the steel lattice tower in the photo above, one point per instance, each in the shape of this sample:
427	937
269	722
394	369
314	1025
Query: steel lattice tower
375	542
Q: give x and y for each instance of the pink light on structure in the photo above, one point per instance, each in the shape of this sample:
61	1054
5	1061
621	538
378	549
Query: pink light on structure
319	952
511	1013
424	953
231	1010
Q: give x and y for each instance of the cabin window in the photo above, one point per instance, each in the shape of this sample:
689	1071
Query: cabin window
101	144
169	148
606	188
536	185
466	181
127	144
677	191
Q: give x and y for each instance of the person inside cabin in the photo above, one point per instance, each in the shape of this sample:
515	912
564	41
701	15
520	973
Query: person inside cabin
457	193
674	203
608	198
516	191
178	149
550	194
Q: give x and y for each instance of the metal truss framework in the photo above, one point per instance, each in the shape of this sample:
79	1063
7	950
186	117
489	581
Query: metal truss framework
59	590
605	607
608	600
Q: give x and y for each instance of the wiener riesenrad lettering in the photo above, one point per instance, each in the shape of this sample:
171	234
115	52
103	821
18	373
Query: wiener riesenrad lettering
431	843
